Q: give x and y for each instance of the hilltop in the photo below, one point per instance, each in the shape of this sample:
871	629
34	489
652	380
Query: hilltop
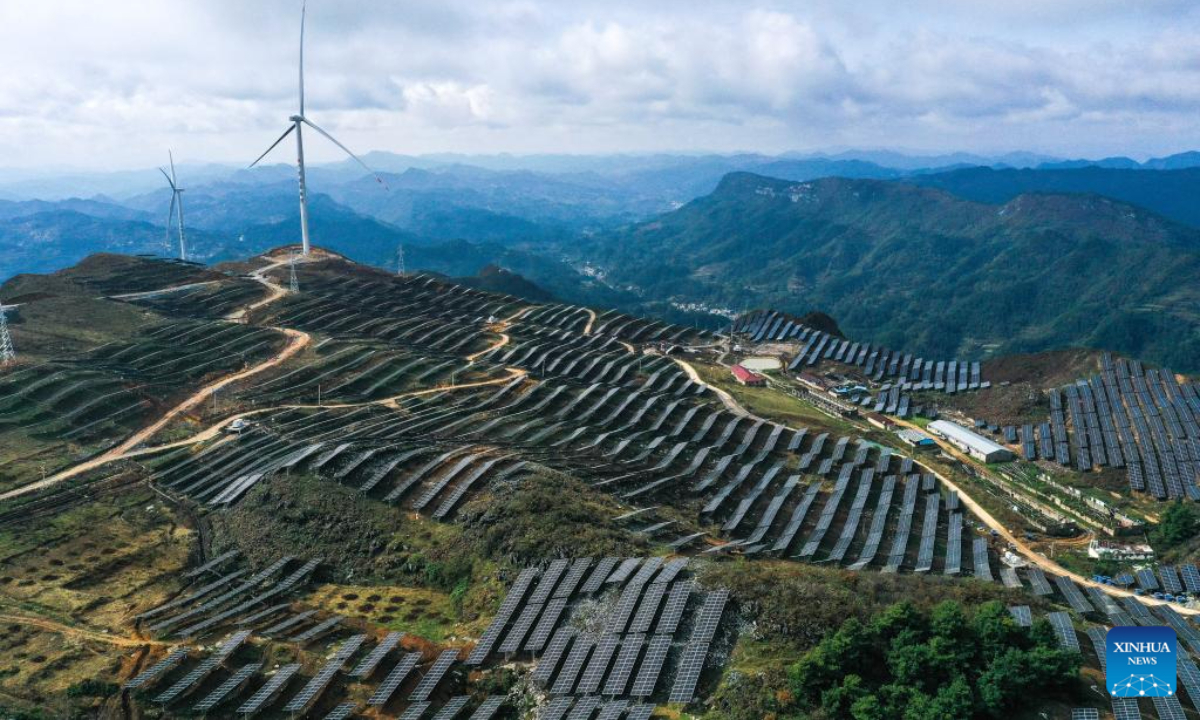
921	269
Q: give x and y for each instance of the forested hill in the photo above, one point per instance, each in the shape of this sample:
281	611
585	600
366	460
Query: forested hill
920	269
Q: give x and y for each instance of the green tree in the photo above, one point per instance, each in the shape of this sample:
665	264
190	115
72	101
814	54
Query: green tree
1178	525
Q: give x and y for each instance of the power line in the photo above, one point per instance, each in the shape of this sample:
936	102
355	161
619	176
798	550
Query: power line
400	259
7	353
293	284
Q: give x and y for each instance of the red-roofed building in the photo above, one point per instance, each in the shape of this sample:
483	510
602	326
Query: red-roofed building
747	377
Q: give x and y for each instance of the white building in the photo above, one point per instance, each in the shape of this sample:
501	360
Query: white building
972	443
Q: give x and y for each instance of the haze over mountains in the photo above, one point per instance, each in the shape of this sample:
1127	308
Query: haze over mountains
945	254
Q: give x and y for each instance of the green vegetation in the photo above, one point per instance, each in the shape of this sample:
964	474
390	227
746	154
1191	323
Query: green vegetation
919	269
914	664
1177	525
547	515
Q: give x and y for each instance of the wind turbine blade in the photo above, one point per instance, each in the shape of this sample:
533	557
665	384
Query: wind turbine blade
281	137
172	159
168	177
303	11
345	149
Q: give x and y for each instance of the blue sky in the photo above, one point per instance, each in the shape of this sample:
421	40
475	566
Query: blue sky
112	84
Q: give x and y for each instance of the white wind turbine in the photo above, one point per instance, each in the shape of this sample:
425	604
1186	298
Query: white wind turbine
176	207
298	120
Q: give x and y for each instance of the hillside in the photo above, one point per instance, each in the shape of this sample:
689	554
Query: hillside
1171	193
919	269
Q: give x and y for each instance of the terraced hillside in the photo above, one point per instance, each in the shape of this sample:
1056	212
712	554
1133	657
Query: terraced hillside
437	500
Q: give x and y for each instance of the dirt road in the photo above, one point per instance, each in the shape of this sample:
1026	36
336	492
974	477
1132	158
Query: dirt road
79	633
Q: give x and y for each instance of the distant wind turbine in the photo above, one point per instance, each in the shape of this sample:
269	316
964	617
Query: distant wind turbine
298	120
176	207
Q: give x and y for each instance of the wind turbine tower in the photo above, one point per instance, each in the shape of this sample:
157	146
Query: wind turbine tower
176	207
7	353
400	259
297	122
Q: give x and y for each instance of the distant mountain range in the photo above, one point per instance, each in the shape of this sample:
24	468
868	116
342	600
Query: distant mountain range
933	253
920	269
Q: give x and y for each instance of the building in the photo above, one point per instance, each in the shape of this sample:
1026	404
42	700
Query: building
747	377
880	421
1098	549
916	439
970	442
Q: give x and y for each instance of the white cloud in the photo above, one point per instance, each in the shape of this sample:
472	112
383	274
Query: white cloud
113	83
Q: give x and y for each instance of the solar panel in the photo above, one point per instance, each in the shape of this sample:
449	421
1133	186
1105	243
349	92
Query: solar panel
612	709
428	683
928	533
709	616
271	688
983	570
1037	579
1009	577
618	679
215	562
619	617
578	569
415	711
548	582
452	708
1022	614
1191	577
596	580
1070	591
565	681
488	707
687	676
651	667
546	624
1064	631
878	524
1099	642
512	600
1170	579
516	635
671	570
556	709
640	712
648	608
597	666
1125	709
554	653
1168	708
341	712
372	660
236	680
158	669
317	630
394	679
289	622
623	571
584	708
903	525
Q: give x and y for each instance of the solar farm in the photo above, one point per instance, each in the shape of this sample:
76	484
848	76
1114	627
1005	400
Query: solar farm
430	403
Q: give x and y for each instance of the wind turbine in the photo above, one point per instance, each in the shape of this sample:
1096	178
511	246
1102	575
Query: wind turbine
298	120
176	207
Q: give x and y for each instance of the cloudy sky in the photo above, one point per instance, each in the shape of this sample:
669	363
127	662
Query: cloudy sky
113	84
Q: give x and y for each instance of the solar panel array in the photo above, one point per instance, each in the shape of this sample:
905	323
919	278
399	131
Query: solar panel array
1129	417
1037	579
204	669
1125	709
158	669
234	681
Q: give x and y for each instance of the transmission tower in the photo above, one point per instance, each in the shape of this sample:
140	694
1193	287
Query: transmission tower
399	259
293	284
7	353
